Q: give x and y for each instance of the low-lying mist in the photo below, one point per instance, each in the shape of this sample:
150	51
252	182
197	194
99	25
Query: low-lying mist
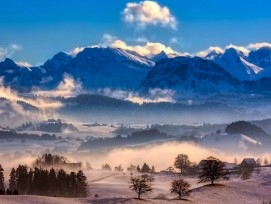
159	155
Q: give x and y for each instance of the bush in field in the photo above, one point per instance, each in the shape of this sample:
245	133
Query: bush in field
161	196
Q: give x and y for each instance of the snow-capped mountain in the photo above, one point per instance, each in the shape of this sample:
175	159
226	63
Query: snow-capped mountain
55	68
163	55
99	68
262	58
160	56
236	63
190	76
19	77
212	55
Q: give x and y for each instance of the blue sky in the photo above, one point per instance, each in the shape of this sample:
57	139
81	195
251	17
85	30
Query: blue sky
42	28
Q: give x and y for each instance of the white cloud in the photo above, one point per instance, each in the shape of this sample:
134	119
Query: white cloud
148	13
76	50
66	88
244	50
154	96
203	53
256	46
9	51
12	113
150	48
146	49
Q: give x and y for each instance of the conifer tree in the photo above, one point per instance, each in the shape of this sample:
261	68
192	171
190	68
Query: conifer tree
73	185
52	182
82	185
2	181
21	179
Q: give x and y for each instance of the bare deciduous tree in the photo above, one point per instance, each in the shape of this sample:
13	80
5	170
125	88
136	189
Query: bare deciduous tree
182	162
140	185
213	170
180	187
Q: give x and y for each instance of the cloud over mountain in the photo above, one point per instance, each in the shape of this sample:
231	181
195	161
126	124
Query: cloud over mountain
149	13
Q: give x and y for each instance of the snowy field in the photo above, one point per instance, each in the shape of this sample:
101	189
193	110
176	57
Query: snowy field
114	188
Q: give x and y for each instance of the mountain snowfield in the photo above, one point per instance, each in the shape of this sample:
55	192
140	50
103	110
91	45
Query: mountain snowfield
235	63
97	68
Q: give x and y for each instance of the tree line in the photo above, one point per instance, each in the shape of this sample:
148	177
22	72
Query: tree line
44	182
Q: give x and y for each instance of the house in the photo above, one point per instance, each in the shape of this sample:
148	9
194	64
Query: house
201	164
248	162
231	166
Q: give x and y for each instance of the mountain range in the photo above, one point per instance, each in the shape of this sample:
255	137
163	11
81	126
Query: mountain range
228	73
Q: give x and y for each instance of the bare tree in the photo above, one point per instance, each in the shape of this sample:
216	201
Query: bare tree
182	162
140	185
119	168
106	167
180	187
131	168
213	170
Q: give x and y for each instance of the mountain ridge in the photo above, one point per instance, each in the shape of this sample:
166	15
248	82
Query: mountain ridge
231	72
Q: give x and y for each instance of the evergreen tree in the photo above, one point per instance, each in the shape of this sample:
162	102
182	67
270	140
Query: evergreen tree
145	168
21	179
82	185
2	181
12	180
15	192
44	180
8	192
52	182
61	182
73	192
30	181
